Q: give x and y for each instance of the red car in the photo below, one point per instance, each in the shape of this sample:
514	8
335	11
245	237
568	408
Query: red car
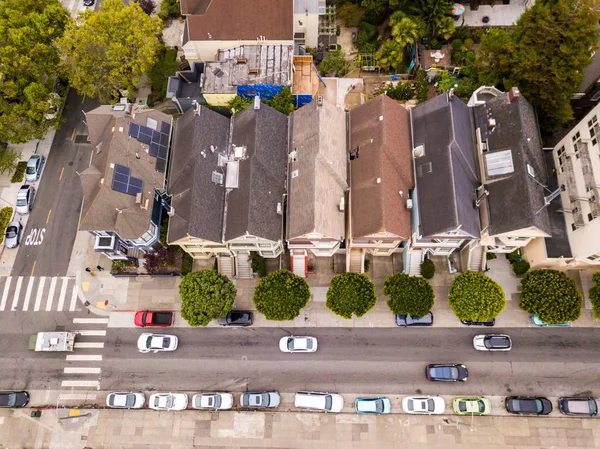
148	318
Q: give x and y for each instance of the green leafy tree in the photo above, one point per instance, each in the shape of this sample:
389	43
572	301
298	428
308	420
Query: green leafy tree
110	49
29	67
335	64
169	9
239	103
351	14
205	296
551	295
401	92
8	160
165	65
282	102
427	268
445	82
406	30
351	294
408	294
422	85
390	56
436	14
474	296
281	295
595	295
375	10
545	56
366	39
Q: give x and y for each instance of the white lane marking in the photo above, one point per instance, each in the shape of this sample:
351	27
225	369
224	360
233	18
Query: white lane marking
73	299
51	294
17	293
90	320
28	293
92	333
84	358
5	293
40	293
80	383
81	371
89	345
63	293
77	396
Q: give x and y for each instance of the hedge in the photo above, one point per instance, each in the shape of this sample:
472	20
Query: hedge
474	296
595	295
6	214
19	174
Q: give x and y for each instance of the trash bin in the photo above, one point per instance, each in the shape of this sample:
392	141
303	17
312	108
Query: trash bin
36	413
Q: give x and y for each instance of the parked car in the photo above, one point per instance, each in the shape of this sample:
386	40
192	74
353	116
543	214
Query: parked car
54	101
145	318
376	406
492	342
10	399
157	342
237	318
12	235
472	406
212	401
536	320
168	401
260	399
126	400
25	199
315	400
424	405
414	320
528	405
298	344
578	406
446	372
89	2
489	323
34	167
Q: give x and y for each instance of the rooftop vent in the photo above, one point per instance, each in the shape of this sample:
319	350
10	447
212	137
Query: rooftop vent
233	174
239	152
253	71
419	151
491	124
319	100
241	60
256	102
217	178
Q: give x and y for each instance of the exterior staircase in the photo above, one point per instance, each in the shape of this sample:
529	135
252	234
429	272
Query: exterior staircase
299	263
477	258
414	262
356	261
243	266
225	264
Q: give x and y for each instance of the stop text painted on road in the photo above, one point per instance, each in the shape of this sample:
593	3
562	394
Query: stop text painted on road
35	237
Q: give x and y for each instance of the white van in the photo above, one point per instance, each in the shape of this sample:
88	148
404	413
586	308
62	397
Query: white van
312	400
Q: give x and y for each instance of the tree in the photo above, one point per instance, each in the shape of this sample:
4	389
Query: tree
351	14
238	103
351	293
283	101
401	92
551	295
110	49
474	296
205	296
436	14
390	56
406	30
595	295
445	82
8	160
280	295
408	294
148	6
375	10
29	67
335	63
169	9
545	56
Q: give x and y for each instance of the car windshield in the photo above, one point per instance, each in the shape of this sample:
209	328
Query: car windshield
462	406
328	402
290	344
496	342
8	399
445	372
149	341
30	169
22	201
481	405
11	232
129	400
430	405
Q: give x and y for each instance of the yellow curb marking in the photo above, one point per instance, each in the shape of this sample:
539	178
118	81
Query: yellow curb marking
101	304
85	286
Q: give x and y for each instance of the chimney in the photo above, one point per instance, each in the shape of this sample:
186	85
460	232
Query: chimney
491	124
513	93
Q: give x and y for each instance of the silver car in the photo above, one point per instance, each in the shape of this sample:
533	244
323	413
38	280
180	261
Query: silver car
126	400
260	399
25	199
12	235
34	167
212	401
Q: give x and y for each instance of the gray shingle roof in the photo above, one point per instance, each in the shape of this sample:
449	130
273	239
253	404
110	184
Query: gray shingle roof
198	202
447	174
320	172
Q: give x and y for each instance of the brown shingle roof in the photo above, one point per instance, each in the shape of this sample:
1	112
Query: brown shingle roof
243	20
194	6
380	129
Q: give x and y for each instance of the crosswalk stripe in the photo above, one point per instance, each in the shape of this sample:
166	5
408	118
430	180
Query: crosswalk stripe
51	294
89	345
28	293
40	293
73	299
90	320
80	383
63	293
84	358
17	293
5	293
90	370
97	333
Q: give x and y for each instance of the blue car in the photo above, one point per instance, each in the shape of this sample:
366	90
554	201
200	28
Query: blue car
536	320
377	406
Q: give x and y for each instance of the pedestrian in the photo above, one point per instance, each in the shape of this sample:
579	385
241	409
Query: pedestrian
99	268
88	269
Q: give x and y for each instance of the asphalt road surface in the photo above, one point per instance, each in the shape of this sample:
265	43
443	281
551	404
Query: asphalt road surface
370	361
48	238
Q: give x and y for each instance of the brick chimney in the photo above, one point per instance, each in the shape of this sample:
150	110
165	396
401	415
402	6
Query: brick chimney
513	94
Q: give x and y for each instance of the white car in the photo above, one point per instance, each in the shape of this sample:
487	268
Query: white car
126	400
492	342
212	401
298	344
168	401
157	342
424	405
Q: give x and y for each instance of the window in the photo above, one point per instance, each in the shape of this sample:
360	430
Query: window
424	169
594	257
596	96
576	141
573	227
562	158
99	148
591	126
590	217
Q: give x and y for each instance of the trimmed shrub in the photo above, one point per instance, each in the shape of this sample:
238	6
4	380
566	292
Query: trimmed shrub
169	9
281	295
6	214
258	264
19	174
422	85
520	267
351	294
206	295
595	295
408	294
551	295
427	269
514	256
490	256
401	92
474	296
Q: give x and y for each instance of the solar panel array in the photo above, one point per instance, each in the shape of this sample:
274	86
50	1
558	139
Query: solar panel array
123	181
158	141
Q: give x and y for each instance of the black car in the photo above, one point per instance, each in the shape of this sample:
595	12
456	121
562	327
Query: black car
446	372
578	406
528	405
89	2
237	318
488	323
10	399
414	320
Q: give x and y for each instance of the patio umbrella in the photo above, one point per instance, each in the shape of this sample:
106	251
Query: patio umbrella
458	9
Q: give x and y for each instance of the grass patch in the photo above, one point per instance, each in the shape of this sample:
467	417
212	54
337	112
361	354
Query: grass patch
19	174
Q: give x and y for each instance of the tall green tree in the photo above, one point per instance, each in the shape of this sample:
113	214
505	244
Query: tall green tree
280	295
29	66
545	56
435	14
408	294
474	296
110	49
283	101
351	294
390	56
406	30
206	295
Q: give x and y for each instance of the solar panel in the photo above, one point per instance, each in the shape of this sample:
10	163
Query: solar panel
124	183
135	186
145	138
121	178
145	130
164	140
137	182
119	186
161	165
155	137
162	152
134	129
122	170
153	149
165	128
